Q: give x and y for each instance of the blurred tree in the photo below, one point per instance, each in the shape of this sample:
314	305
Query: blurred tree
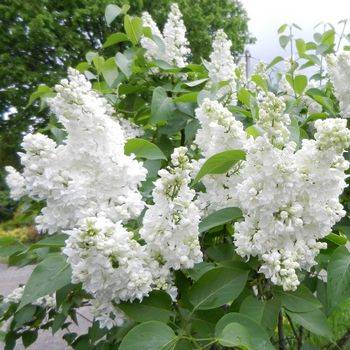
40	39
202	18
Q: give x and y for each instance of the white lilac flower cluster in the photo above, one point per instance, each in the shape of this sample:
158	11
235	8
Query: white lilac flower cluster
222	67
289	197
170	225
218	125
273	120
88	173
15	297
130	129
172	45
339	71
111	265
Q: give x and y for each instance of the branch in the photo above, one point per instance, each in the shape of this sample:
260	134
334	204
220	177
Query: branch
298	337
281	339
344	339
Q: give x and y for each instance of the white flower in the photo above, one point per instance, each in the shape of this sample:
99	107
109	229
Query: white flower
16	182
175	40
289	197
290	200
155	48
107	314
273	120
87	174
339	72
148	22
110	264
219	131
15	297
172	45
130	129
170	225
222	65
332	134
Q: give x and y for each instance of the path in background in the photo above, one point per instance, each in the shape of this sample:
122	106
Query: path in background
11	278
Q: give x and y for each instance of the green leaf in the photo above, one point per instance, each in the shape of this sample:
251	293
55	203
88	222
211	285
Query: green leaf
264	312
199	270
133	28
111	12
143	149
300	83
284	40
98	62
328	37
109	71
221	252
155	307
338	284
315	116
24	315
259	81
315	321
301	46
282	28
189	97
162	64
217	287
48	276
235	335
42	91
90	55
102	87
253	130
244	96
53	241
302	300
343	226
276	60
124	64
219	217
259	339
196	82
336	239
115	38
29	337
161	106
9	246
294	130
82	67
220	163
183	344
152	335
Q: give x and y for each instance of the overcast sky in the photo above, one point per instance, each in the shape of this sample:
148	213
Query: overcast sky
266	16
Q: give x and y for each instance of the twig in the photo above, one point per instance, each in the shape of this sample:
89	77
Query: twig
84	317
183	137
344	339
281	339
341	35
297	336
